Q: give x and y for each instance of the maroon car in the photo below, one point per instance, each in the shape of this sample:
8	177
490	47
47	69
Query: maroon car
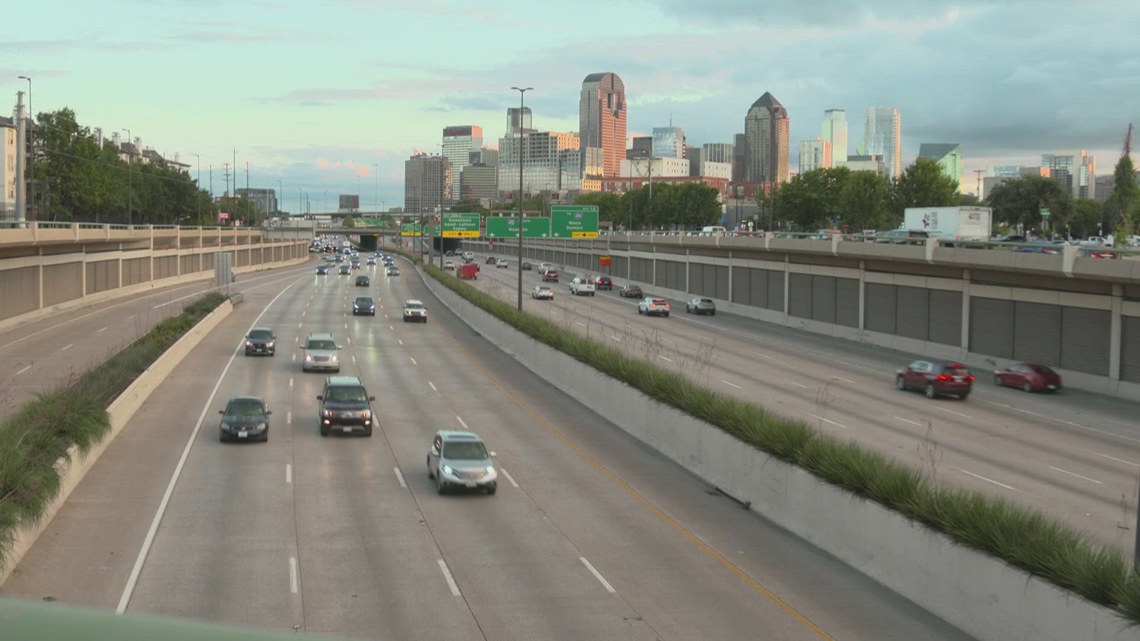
603	282
1030	377
936	378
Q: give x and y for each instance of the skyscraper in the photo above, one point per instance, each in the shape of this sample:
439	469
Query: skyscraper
668	142
1074	170
427	181
458	143
883	137
835	132
602	123
517	119
815	154
766	128
948	156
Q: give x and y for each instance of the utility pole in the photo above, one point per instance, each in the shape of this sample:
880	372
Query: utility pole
31	124
130	179
979	173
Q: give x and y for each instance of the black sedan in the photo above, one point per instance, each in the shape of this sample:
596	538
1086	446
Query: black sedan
260	340
246	418
630	291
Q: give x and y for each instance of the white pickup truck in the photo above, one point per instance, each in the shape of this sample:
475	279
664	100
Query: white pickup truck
582	286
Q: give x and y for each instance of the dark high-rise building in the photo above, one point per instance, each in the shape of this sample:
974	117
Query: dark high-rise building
766	127
602	124
739	158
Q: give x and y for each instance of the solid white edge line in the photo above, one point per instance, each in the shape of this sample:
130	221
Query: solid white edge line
447	575
509	477
730	384
982	478
597	575
288	472
293	586
1084	478
460	419
400	477
136	570
1113	458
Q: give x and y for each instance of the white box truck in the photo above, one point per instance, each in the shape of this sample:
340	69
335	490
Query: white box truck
950	223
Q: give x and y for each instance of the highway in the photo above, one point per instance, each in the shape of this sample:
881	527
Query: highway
1073	455
590	536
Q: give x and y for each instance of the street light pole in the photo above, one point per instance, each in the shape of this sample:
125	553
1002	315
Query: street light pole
522	150
130	181
198	190
31	151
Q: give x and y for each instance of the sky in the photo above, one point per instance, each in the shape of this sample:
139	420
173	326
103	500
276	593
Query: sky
328	97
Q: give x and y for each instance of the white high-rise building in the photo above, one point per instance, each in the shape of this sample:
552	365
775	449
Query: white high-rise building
835	132
717	152
883	137
458	143
815	154
668	142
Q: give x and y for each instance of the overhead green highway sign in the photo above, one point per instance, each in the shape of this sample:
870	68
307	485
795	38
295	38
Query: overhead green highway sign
507	227
574	221
410	229
463	225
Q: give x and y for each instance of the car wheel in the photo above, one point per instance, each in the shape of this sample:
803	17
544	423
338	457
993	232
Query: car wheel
666	314
431	475
440	486
900	383
491	489
265	437
639	311
368	432
930	393
1027	387
222	437
997	380
962	397
324	431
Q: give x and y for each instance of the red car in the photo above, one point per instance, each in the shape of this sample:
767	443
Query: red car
1029	377
550	276
603	282
936	378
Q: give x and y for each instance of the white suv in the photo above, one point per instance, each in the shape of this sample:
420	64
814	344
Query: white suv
582	286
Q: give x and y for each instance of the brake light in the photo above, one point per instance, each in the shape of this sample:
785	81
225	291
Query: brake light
945	377
970	378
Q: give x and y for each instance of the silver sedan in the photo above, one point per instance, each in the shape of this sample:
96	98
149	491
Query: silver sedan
700	305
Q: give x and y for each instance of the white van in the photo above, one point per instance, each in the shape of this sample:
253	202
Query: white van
713	230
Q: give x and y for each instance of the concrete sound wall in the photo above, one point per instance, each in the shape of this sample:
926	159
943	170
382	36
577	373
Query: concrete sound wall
975	592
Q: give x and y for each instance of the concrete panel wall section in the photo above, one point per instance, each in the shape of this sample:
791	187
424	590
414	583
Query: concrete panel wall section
76	465
980	595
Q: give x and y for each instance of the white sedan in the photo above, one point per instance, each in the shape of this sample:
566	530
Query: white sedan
502	263
542	292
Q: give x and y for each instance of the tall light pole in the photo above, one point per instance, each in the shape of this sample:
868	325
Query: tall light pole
442	187
198	190
31	151
130	181
522	131
280	195
376	193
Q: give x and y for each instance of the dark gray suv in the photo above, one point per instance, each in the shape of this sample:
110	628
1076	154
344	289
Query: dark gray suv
346	407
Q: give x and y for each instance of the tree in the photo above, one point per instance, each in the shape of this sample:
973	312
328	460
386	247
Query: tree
1085	219
864	198
922	185
609	205
813	199
1017	203
695	205
469	205
348	221
1123	206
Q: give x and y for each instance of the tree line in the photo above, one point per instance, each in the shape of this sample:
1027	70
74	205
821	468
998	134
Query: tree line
80	180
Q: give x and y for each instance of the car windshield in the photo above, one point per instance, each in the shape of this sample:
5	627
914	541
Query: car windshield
1041	369
321	344
347	395
363	301
245	407
465	451
261	333
414	306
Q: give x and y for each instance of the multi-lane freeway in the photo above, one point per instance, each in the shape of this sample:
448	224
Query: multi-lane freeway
1073	455
590	536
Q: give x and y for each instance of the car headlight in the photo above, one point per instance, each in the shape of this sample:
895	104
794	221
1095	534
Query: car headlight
366	414
308	357
225	425
249	343
261	426
490	469
269	344
334	357
327	413
447	470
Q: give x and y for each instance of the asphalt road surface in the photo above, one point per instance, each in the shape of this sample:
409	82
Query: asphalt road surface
590	536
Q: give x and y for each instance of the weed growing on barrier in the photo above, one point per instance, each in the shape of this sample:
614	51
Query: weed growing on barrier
39	434
1020	536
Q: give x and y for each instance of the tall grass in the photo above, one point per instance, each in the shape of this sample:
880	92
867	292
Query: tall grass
1022	537
40	433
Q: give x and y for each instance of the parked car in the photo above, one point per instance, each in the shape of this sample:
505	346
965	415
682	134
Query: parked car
362	281
651	306
550	276
700	305
542	292
582	286
414	310
630	291
260	340
320	352
461	460
345	407
1029	377
936	378
245	418
363	306
603	282
502	263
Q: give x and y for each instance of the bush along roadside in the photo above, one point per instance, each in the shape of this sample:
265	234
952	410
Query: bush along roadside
1022	537
40	433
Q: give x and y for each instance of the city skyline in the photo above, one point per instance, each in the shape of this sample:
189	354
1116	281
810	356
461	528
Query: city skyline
315	102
